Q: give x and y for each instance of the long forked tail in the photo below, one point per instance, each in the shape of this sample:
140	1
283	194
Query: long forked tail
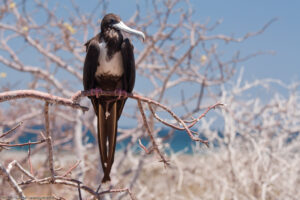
107	134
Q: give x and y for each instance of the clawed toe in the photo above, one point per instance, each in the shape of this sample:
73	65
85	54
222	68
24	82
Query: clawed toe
98	91
120	93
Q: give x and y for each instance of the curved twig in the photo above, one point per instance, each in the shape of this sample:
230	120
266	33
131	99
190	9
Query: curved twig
18	94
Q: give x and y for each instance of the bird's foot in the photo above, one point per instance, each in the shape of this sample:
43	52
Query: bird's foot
97	92
120	93
93	92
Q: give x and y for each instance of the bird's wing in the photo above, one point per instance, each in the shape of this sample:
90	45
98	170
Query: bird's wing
87	44
90	68
129	71
129	65
90	65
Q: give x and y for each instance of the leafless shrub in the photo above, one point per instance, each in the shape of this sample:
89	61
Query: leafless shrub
182	70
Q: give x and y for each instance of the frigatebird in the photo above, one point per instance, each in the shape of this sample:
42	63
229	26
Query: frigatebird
109	66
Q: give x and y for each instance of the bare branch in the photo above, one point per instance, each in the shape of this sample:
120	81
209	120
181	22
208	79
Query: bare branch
11	182
4	144
9	95
11	130
49	140
154	145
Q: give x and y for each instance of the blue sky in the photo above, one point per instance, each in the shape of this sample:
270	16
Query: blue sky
240	17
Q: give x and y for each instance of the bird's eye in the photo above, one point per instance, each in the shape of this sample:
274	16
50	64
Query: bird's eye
111	21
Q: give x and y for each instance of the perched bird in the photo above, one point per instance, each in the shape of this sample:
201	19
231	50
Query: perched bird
109	66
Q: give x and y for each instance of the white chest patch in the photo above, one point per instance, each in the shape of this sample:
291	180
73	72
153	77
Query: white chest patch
113	67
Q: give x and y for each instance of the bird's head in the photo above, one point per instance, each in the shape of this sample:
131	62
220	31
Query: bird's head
115	22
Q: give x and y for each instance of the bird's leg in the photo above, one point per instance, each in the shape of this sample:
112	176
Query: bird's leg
92	92
120	93
98	91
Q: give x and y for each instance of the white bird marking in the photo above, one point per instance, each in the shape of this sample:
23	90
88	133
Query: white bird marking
112	67
107	114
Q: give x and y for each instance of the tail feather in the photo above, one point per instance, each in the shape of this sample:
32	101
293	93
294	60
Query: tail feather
106	178
107	134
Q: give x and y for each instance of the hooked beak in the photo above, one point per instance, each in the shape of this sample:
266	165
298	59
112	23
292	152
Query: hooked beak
122	27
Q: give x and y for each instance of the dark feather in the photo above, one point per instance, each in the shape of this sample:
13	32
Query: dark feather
90	65
129	72
107	131
129	65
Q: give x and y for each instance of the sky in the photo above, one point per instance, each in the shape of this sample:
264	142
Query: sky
240	17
